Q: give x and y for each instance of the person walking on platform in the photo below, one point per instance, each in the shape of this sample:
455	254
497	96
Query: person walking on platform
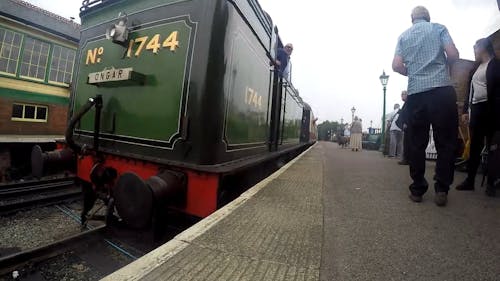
423	53
401	122
481	108
356	134
396	134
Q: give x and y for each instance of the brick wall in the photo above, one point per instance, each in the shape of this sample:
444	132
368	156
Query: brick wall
55	125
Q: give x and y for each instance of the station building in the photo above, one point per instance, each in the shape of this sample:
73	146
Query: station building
37	58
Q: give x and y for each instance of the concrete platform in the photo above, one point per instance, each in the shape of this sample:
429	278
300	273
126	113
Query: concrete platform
333	214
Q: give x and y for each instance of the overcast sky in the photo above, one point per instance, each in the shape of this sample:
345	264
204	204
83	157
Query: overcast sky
341	47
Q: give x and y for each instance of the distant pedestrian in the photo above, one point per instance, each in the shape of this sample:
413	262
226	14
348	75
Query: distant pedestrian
481	107
402	123
356	134
347	132
423	53
396	134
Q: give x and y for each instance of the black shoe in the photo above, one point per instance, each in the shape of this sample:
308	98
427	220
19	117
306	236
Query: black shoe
403	162
441	199
83	220
490	191
415	198
465	185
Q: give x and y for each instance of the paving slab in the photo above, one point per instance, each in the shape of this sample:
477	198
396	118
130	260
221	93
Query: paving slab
334	214
372	231
273	232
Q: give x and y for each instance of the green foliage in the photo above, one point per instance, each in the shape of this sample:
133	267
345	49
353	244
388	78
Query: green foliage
328	128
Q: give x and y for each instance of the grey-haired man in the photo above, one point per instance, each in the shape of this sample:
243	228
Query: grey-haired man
424	53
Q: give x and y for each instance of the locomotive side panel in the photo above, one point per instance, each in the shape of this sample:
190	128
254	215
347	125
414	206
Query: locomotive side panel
292	118
150	107
247	88
234	118
308	132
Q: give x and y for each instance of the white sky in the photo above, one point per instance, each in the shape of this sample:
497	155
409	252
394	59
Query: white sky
341	47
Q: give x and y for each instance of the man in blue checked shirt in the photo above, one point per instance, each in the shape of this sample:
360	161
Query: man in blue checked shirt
424	53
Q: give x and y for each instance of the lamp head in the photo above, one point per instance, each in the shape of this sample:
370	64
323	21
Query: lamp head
118	32
384	78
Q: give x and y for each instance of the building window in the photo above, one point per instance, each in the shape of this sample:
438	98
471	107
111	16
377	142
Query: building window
61	66
29	112
10	43
35	56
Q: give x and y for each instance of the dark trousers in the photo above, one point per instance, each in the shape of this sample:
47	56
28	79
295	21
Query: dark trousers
436	107
478	131
406	146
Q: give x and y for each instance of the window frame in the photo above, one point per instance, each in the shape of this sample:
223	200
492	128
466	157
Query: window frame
20	49
24	119
20	64
53	46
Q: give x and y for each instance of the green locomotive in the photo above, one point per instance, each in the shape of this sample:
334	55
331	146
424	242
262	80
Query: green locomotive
171	96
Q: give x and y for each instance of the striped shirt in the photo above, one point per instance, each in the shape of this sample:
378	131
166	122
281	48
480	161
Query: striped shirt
422	49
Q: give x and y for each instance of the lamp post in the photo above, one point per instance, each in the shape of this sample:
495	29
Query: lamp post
371	127
383	79
353	110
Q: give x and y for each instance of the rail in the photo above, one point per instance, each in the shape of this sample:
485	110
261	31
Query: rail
25	195
17	260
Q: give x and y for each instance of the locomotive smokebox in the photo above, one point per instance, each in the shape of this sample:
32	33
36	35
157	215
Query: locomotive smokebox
57	159
137	200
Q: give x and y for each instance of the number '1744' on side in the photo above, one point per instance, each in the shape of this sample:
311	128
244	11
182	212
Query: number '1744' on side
153	44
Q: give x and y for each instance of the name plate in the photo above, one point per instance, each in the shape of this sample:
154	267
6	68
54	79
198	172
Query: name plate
110	75
116	77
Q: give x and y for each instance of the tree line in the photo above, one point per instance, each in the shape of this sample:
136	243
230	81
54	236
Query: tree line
328	128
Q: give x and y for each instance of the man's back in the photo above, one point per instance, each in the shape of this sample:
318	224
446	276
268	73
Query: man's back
422	49
423	53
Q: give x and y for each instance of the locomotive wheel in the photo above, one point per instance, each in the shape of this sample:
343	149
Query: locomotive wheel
133	200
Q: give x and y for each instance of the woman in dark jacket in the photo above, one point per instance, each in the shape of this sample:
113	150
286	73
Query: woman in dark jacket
484	117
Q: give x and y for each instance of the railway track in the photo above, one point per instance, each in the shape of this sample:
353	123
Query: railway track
88	255
22	195
18	260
